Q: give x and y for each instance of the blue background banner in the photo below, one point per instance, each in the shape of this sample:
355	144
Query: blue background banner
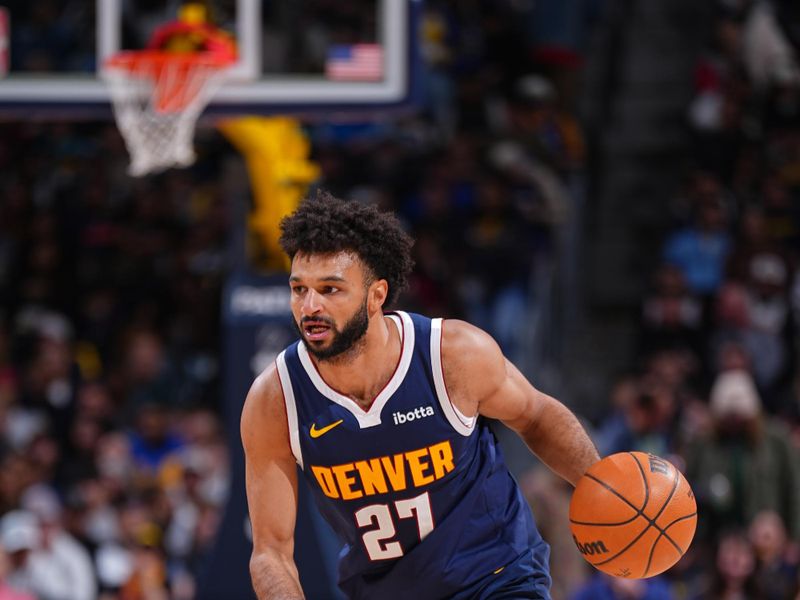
257	326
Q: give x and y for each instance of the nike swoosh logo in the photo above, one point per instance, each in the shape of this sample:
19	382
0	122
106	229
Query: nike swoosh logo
315	433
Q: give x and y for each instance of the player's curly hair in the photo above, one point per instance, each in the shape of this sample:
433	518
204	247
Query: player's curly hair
325	224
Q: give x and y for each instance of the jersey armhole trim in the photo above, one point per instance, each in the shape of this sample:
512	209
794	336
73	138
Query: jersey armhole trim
460	422
291	408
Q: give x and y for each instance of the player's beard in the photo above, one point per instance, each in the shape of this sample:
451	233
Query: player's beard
344	340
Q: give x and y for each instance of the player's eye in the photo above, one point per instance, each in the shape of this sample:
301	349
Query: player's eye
329	289
298	290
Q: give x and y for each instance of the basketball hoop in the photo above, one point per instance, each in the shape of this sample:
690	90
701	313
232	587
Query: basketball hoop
158	96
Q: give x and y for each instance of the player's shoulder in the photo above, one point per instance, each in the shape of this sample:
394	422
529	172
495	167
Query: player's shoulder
470	356
263	425
463	338
265	399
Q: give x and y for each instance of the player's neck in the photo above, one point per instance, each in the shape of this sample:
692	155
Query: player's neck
364	373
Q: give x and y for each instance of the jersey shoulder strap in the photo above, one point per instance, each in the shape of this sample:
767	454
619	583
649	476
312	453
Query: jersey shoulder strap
429	340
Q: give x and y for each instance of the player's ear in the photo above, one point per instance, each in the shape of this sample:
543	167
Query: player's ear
378	291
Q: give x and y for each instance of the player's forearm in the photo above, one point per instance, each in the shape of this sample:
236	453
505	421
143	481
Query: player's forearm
275	577
560	441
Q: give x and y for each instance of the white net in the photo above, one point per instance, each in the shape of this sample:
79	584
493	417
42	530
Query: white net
157	102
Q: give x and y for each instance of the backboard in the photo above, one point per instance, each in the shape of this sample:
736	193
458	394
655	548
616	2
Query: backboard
295	56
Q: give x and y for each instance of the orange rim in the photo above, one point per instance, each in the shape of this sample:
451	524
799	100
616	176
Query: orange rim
136	60
174	93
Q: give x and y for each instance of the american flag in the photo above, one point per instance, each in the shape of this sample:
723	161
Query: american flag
359	62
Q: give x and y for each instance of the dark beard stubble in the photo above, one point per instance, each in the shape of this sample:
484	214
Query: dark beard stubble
344	340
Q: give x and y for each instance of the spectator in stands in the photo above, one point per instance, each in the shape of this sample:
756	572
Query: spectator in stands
15	476
730	320
752	238
538	119
558	38
80	450
770	326
768	56
648	423
20	536
6	591
436	40
746	465
734	577
149	373
148	580
756	315
114	568
671	315
60	568
700	251
781	213
50	377
777	560
153	441
714	73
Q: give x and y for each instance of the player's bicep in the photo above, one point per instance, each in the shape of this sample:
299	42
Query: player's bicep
270	470
483	380
515	401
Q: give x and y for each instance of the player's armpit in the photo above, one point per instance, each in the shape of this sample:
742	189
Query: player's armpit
271	481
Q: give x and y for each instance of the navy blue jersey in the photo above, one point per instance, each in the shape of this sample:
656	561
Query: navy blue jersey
418	492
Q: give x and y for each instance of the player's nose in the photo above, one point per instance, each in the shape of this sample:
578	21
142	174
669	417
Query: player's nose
312	303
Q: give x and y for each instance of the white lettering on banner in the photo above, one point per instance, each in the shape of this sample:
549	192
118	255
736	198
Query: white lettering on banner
259	300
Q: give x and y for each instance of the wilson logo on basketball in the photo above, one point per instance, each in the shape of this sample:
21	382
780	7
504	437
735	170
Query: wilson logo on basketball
658	465
591	548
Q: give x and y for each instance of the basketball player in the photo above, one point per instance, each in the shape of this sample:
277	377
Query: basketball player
385	413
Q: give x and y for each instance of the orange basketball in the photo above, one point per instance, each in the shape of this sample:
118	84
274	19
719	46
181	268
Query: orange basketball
632	515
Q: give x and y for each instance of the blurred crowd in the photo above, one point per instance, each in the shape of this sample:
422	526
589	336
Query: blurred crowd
716	387
113	463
